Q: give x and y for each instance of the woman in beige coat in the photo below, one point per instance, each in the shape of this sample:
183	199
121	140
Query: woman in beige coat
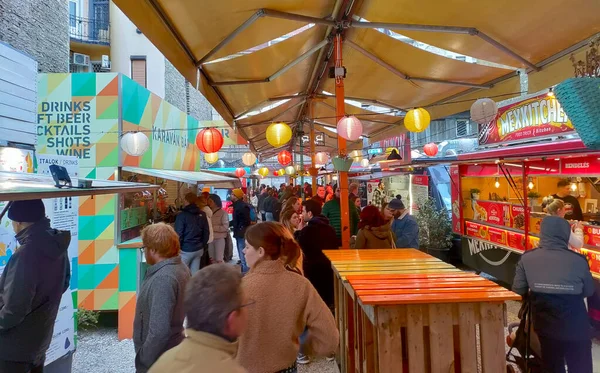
286	304
373	231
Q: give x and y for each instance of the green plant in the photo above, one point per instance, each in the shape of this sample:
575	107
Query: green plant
435	227
533	194
475	191
86	318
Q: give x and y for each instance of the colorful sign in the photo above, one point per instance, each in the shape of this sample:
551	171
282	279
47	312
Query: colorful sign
591	235
535	117
499	236
419	191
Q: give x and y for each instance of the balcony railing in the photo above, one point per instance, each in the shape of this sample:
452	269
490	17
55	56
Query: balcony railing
88	30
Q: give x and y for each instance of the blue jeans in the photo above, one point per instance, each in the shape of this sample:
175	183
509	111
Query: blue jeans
269	216
241	243
302	341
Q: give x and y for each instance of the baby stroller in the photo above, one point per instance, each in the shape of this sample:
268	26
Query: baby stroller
523	339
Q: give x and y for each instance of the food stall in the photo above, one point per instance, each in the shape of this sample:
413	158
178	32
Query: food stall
498	194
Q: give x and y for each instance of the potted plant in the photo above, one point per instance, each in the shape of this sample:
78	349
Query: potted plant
475	193
435	228
342	163
533	198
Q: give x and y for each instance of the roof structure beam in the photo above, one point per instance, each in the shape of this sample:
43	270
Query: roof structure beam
449	30
374	102
402	75
279	72
275	117
297	17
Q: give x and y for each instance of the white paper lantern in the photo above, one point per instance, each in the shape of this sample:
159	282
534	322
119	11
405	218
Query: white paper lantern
484	110
350	128
364	163
248	159
321	158
290	170
135	143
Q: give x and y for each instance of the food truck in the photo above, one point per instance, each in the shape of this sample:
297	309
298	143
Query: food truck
499	193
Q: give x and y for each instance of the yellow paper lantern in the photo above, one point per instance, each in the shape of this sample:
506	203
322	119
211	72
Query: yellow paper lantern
279	134
281	171
263	171
290	170
417	120
248	159
211	157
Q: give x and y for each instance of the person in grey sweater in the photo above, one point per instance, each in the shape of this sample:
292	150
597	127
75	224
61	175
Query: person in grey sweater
159	315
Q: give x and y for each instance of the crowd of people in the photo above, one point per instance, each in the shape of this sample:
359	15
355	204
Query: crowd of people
197	313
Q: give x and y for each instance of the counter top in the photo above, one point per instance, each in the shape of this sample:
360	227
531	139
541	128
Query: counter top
134	243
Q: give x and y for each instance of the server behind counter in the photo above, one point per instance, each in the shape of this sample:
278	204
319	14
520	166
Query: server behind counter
572	207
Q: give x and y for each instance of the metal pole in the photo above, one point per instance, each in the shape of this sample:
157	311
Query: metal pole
340	112
525	204
301	133
312	146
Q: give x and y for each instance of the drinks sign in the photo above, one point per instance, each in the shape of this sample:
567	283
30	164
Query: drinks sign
539	116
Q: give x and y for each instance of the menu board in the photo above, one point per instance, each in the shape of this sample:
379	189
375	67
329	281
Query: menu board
499	213
499	236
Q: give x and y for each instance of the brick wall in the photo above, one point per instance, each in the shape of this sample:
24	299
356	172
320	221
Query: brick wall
184	96
39	28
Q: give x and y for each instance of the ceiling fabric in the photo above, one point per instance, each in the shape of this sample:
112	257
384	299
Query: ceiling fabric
186	31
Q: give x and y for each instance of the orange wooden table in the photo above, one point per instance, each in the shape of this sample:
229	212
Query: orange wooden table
380	262
428	323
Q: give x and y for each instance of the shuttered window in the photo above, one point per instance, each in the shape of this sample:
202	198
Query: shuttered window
138	70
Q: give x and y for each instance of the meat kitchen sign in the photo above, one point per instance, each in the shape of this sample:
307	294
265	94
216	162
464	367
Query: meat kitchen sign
539	116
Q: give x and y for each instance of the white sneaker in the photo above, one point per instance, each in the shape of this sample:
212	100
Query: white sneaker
331	358
302	359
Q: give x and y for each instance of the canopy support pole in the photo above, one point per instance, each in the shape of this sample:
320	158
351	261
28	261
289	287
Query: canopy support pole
312	148
297	17
340	112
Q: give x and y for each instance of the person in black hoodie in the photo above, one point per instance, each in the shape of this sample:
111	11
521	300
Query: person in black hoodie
556	281
241	221
191	224
31	287
316	236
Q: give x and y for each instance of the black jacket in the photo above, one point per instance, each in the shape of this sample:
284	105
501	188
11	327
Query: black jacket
317	236
558	280
269	204
261	201
31	287
192	227
241	218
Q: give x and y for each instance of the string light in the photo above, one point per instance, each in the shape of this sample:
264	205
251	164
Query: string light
530	185
497	183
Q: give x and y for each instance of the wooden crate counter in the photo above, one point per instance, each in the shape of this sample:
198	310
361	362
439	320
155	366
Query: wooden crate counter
371	263
429	323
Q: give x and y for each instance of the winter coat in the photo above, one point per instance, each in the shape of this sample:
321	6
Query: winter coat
375	237
332	211
559	279
209	214
315	237
269	204
241	218
31	287
192	227
220	221
200	352
261	201
159	313
406	230
277	320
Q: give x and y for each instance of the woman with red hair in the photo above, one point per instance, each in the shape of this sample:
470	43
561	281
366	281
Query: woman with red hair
373	231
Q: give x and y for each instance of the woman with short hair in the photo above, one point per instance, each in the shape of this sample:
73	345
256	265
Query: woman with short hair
159	312
277	318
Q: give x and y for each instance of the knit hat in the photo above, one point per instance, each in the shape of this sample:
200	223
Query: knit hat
396	204
30	211
238	193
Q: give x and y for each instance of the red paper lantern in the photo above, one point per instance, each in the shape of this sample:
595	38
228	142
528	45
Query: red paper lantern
275	173
284	157
239	172
209	140
430	149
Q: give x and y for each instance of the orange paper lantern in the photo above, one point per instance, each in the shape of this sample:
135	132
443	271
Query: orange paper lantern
430	149
239	172
209	140
284	157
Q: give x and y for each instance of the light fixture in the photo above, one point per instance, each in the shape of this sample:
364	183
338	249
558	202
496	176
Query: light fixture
550	92
249	159
364	163
530	185
394	156
135	143
417	120
350	128
209	140
278	134
574	186
497	183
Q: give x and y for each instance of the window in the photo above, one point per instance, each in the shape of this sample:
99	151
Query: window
462	127
138	70
73	13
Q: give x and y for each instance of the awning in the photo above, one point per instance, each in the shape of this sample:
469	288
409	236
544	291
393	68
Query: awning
246	55
522	151
213	179
16	186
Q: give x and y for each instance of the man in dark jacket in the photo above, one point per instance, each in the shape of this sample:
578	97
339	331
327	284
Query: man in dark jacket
270	205
241	221
315	237
31	287
332	210
191	224
557	280
404	226
159	313
261	202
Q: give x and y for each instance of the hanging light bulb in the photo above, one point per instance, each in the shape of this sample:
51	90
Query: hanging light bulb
497	183
530	185
574	186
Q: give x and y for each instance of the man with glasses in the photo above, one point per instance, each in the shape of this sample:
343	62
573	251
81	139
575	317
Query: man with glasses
216	310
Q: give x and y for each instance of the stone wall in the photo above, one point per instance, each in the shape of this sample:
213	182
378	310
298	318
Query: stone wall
39	28
199	106
184	96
